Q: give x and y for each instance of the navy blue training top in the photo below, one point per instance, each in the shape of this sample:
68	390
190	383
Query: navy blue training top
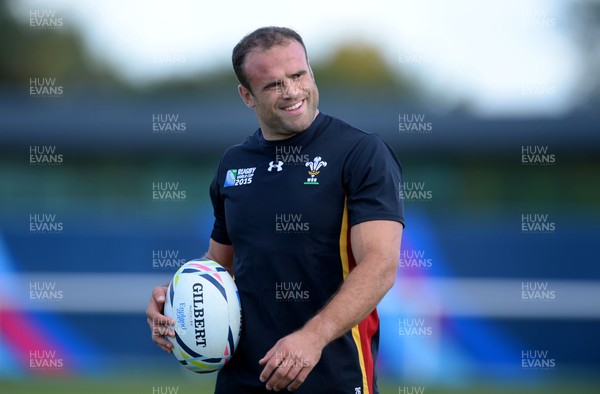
287	208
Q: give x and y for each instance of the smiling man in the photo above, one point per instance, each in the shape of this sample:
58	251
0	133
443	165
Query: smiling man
313	238
278	84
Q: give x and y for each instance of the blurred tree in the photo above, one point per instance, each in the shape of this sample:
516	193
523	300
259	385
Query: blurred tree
9	42
361	66
354	69
26	52
29	53
585	27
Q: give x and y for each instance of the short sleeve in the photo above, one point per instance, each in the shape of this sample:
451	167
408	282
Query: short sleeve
219	231
372	176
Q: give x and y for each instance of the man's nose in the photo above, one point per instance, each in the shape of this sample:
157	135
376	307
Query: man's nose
290	88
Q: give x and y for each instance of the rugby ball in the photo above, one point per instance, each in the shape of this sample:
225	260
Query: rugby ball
204	302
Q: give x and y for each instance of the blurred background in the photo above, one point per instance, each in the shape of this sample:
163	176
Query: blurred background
492	108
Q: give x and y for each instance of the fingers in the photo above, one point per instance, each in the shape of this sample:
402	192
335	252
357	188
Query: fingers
163	343
269	367
291	374
160	325
159	295
300	378
266	358
157	304
283	368
279	379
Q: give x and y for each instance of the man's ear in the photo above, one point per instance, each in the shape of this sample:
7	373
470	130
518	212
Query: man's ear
247	96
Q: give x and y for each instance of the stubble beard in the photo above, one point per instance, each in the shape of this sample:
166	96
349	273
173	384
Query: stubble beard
280	128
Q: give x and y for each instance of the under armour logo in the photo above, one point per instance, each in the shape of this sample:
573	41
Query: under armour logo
279	166
357	390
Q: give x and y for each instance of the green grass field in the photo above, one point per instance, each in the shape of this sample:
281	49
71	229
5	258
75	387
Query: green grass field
203	385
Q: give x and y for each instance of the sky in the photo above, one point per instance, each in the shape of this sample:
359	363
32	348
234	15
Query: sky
509	57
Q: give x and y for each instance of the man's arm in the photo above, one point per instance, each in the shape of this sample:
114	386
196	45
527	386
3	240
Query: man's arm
160	324
376	248
222	254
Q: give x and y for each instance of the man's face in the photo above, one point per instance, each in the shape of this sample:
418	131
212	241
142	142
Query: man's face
284	94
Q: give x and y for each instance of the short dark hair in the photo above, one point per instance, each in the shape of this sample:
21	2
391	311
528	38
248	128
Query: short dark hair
263	38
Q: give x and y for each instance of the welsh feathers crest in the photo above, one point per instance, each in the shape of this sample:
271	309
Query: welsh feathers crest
314	167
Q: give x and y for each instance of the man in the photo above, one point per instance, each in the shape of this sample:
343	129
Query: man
312	236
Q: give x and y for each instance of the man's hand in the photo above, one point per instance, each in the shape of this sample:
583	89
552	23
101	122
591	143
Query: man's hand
376	248
159	324
289	362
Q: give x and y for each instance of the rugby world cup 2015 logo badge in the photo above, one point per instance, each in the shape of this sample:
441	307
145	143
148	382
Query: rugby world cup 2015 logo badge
240	176
314	167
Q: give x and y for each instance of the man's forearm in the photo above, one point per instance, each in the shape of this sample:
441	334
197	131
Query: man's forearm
360	293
